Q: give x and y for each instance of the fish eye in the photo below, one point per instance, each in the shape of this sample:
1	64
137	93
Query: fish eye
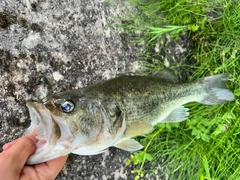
67	106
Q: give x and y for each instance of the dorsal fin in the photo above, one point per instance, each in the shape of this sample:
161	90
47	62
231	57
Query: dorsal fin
167	74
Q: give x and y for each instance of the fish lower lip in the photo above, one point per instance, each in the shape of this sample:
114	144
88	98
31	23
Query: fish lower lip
38	124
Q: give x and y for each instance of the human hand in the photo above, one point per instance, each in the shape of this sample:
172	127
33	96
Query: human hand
15	155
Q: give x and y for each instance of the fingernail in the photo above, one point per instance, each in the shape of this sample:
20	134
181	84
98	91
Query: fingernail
33	137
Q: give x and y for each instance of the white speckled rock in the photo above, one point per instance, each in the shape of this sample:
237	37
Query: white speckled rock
52	46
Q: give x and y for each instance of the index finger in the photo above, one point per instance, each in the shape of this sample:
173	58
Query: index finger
19	152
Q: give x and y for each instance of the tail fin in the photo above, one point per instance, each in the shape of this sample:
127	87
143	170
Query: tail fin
216	91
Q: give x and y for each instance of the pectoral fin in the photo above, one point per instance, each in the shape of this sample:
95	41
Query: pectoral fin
129	145
177	115
133	129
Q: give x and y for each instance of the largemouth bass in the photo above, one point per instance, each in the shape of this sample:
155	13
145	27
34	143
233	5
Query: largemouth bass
89	120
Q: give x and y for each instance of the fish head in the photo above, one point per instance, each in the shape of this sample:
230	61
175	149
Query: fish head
65	123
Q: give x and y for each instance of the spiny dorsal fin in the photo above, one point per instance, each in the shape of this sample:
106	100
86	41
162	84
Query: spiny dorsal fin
167	75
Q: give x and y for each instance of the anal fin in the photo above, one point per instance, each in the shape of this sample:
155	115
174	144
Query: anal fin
177	115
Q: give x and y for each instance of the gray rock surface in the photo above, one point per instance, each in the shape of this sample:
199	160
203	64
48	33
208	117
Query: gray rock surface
51	46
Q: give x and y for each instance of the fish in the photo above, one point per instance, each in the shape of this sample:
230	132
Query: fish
89	120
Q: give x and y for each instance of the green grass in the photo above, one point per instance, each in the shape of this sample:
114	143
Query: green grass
207	145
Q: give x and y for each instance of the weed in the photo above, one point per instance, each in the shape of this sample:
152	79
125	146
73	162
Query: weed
206	146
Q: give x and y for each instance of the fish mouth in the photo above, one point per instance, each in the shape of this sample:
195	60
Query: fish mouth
53	134
40	118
